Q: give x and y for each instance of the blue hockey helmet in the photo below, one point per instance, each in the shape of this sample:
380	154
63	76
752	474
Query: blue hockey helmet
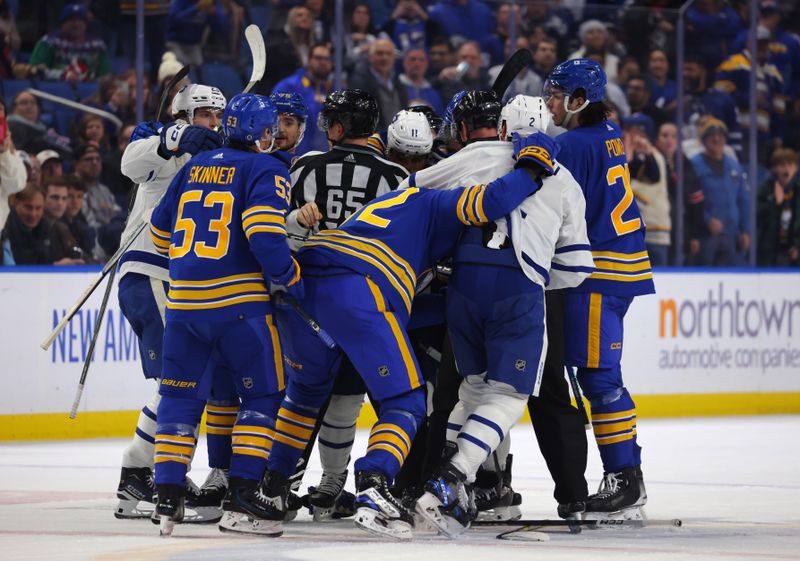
448	113
247	116
575	74
291	104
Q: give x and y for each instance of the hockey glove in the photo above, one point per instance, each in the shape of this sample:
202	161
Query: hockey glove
146	129
537	151
289	282
179	138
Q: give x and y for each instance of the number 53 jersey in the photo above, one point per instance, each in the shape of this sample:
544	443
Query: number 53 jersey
596	157
222	225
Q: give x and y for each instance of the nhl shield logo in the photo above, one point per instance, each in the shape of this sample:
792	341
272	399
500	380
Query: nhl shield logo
152	354
383	371
520	365
248	383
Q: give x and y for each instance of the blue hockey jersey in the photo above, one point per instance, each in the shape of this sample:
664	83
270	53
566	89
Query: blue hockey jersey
399	237
222	224
596	157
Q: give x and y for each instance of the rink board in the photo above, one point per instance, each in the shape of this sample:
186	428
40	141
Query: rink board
709	343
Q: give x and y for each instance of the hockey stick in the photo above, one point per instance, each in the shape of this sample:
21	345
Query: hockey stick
77	105
576	391
259	52
513	66
545	522
112	262
90	351
283	299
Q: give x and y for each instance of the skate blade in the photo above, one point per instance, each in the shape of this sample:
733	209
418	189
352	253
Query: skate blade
165	527
128	509
372	522
202	514
241	523
322	514
428	507
290	515
500	514
632	513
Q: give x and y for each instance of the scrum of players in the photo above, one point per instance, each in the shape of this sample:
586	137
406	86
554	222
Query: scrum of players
448	268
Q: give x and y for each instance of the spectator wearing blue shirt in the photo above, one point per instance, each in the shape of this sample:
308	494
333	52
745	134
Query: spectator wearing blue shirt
663	91
410	27
724	185
711	27
187	21
312	83
494	45
470	19
420	91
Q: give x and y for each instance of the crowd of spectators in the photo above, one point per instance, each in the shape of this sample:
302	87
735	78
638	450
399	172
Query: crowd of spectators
63	197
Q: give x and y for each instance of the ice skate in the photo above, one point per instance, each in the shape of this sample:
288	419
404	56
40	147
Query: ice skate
205	505
236	517
621	496
323	499
136	493
170	508
494	497
378	511
448	503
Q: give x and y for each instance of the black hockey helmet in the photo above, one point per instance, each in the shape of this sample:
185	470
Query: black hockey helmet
355	110
478	109
434	120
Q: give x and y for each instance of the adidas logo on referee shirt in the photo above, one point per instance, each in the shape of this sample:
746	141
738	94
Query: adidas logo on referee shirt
350	158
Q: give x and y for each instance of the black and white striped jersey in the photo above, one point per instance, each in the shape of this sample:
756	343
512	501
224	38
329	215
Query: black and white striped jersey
341	181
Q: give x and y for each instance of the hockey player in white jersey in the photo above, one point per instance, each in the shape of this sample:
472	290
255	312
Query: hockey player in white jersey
155	154
496	307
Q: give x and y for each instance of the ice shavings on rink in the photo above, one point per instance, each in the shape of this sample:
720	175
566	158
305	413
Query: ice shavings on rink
734	482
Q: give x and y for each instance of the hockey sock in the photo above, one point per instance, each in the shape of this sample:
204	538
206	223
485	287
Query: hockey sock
493	410
293	429
140	451
391	436
176	438
613	417
501	452
253	435
338	431
220	418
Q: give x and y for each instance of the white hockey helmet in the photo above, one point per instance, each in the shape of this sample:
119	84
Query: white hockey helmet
410	134
194	96
524	115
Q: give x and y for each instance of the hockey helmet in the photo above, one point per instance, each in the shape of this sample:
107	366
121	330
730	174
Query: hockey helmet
356	110
478	109
410	133
194	96
524	115
577	74
246	117
434	120
292	104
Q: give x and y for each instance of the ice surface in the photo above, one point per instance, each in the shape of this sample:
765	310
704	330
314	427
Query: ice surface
734	482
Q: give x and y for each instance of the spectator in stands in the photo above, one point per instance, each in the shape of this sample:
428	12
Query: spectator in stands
313	84
378	77
55	205
614	94
51	164
419	91
637	92
545	56
700	100
778	218
466	19
76	220
693	199
119	183
12	169
9	41
28	239
494	45
156	14
628	67
733	78
663	91
29	132
527	82
440	56
166	71
101	209
710	27
90	131
410	27
594	36
359	36
322	20
288	49
648	173
70	53
33	170
475	78
553	21
724	186
112	95
188	22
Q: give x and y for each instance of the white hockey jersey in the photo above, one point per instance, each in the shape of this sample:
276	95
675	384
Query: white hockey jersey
142	164
548	230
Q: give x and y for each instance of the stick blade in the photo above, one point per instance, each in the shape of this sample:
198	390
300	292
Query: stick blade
179	76
513	66
255	41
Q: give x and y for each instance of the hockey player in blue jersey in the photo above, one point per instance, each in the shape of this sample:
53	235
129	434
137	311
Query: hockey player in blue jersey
293	116
221	223
593	151
360	281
